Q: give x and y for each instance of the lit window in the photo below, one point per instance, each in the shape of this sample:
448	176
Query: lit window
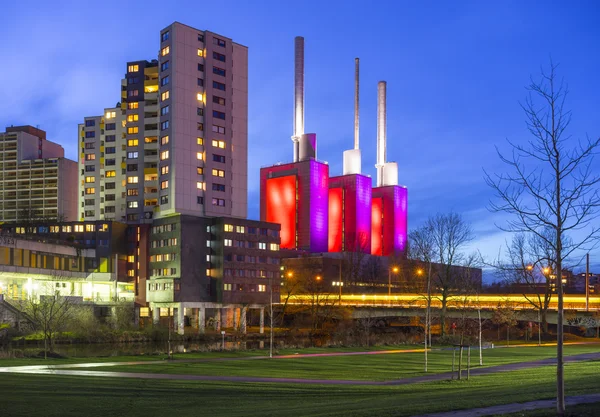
164	170
164	96
132	142
262	288
200	141
239	229
164	140
200	170
164	155
90	190
227	242
165	51
218	173
111	114
78	228
218	144
164	184
110	174
132	130
132	180
132	106
273	246
133	68
90	179
200	185
262	245
132	204
200	52
90	157
90	227
228	227
199	97
226	287
200	156
132	118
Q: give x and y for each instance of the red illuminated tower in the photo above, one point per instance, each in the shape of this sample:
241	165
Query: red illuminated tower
295	195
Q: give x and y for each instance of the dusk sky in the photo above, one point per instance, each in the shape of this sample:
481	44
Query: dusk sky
456	72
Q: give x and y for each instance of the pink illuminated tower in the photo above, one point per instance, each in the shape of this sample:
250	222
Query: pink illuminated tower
350	196
389	209
295	194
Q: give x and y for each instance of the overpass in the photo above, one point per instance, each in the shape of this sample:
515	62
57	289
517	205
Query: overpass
412	305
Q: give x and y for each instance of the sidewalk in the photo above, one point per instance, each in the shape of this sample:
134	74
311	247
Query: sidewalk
516	407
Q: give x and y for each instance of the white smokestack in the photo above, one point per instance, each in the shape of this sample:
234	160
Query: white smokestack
298	93
356	97
352	157
381	131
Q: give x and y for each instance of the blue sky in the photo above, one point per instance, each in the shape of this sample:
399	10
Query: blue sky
456	72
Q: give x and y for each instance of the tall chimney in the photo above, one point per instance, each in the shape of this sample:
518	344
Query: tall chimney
298	93
356	95
381	131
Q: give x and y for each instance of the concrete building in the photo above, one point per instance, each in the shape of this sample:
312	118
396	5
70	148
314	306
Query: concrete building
119	152
84	260
203	144
101	172
212	267
36	180
140	103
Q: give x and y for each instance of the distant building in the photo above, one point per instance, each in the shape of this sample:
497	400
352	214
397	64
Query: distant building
36	180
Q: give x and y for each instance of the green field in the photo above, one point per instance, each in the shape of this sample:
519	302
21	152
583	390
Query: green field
43	395
380	367
57	395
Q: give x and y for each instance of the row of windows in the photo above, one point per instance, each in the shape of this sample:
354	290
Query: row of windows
161	243
244	287
251	230
65	228
164	272
163	257
251	273
164	228
251	245
251	259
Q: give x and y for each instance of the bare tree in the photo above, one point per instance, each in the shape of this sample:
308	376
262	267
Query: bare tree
450	234
505	314
550	184
50	313
421	247
529	260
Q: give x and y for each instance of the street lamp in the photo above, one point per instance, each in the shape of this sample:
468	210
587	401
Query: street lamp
393	269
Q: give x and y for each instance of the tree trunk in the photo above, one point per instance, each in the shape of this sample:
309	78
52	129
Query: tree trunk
443	316
507	335
460	356
480	341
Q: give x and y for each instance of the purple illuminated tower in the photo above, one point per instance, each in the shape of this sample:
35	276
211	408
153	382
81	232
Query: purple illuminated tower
389	209
350	196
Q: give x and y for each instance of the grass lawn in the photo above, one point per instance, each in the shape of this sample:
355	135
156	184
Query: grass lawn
47	395
199	355
363	367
